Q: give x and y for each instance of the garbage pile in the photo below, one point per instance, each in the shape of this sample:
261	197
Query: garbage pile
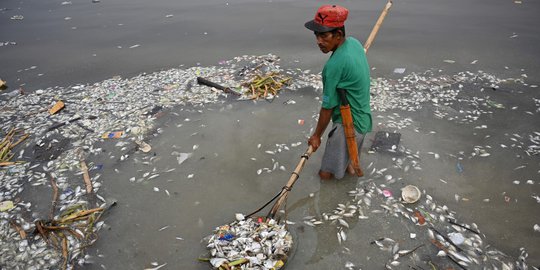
249	244
57	132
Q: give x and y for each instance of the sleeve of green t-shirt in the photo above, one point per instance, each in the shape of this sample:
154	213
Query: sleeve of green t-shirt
331	77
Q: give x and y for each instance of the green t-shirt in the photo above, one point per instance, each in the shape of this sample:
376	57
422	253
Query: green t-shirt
348	68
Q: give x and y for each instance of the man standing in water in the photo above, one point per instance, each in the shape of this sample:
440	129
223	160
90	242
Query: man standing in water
347	68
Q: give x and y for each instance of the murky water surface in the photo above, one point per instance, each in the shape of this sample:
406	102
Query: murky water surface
163	218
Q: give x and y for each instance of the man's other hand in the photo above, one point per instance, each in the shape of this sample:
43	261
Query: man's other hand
315	142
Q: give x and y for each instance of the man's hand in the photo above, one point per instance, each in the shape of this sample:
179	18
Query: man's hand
324	118
315	142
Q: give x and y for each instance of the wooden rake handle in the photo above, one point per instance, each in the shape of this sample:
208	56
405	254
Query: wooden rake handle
294	176
377	26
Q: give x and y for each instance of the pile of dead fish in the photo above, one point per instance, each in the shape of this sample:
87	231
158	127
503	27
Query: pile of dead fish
454	98
115	109
249	244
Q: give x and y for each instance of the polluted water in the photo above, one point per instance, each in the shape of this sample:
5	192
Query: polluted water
75	154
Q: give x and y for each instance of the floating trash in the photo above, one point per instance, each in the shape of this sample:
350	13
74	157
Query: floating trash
410	194
6	206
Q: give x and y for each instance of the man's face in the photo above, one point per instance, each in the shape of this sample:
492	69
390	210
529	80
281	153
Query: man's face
327	41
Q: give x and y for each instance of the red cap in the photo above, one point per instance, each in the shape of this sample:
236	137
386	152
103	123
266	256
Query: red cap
328	18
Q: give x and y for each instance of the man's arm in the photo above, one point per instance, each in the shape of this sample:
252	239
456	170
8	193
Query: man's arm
325	115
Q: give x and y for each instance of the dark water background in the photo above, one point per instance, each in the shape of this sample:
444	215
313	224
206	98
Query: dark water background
417	35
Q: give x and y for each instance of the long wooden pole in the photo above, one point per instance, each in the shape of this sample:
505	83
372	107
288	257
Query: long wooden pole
377	26
294	176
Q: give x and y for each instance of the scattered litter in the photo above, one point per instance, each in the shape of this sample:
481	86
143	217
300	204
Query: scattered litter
387	193
112	135
410	194
145	147
59	105
6	206
182	157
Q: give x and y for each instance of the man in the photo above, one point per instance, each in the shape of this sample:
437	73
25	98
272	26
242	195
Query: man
347	68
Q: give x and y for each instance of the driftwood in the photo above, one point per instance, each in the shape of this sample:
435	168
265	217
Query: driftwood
86	177
18	228
8	143
84	170
228	90
55	197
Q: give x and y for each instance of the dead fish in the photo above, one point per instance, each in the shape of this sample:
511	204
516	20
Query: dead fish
157	267
343	222
309	223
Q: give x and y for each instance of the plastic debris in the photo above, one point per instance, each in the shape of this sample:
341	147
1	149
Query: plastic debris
59	105
143	146
410	194
387	193
113	135
6	206
459	167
